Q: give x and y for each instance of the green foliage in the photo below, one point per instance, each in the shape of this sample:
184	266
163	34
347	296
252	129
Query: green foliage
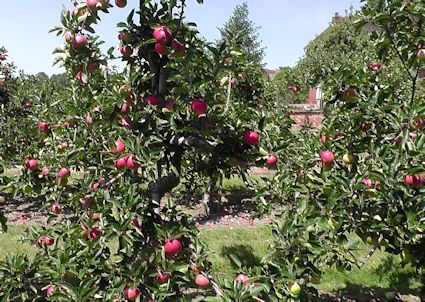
242	33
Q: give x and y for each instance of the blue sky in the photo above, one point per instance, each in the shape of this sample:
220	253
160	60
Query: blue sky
286	26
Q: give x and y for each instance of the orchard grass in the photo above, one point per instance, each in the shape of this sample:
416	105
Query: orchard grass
382	272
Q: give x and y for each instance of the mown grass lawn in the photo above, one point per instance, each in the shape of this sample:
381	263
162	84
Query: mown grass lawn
381	273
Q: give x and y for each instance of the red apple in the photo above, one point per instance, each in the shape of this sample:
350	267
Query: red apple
32	164
125	108
375	66
80	77
64	172
131	294
43	126
79	41
162	35
367	182
327	157
162	277
198	106
45	170
251	138
414	181
272	160
201	280
68	36
364	126
125	90
242	278
121	3
92	67
49	290
119	147
169	106
91	4
88	119
93	233
48	241
152	100
131	164
161	49
56	208
125	37
349	93
172	246
126	51
121	162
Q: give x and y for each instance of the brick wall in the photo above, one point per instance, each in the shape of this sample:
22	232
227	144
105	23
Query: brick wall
307	118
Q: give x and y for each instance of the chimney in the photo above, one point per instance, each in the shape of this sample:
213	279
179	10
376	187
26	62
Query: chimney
336	18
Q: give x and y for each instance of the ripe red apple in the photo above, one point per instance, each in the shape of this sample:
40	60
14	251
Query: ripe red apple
242	278
162	277
251	137
271	160
125	37
419	122
375	66
126	51
414	181
169	106
68	36
49	290
56	208
125	108
364	126
131	294
367	182
79	41
121	162
121	3
45	170
119	147
131	163
162	35
91	4
48	241
93	233
43	126
88	119
161	49
201	280
92	67
32	164
80	76
323	139
327	157
294	89
349	93
172	246
152	100
125	90
198	106
64	172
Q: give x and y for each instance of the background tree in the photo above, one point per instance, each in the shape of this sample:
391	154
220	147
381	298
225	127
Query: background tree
240	32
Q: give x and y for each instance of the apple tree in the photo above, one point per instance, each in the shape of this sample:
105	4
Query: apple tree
107	166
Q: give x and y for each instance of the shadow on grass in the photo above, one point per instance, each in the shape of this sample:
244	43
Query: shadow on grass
243	253
359	293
